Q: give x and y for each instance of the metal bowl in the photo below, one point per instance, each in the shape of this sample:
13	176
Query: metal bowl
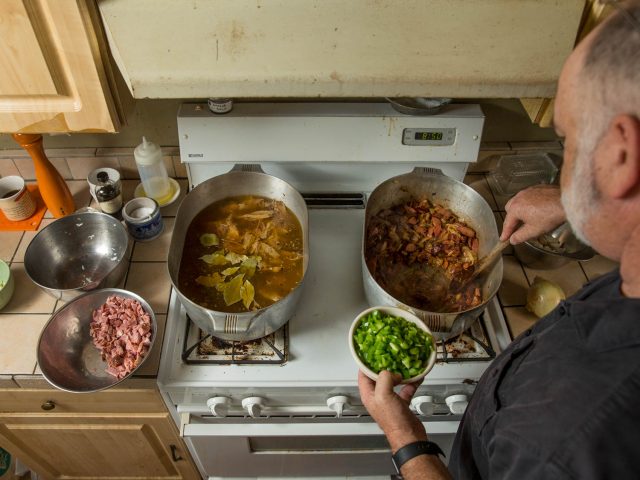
66	353
544	253
78	253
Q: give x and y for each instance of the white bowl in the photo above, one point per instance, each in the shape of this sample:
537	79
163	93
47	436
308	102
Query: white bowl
396	312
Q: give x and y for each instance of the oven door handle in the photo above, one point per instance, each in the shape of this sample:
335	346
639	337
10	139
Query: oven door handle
297	427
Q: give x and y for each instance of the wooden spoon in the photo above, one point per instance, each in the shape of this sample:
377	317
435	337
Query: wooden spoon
483	265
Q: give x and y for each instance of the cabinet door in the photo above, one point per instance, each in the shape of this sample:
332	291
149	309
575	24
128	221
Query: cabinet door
53	70
91	446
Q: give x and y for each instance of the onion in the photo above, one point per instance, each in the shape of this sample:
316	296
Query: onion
543	296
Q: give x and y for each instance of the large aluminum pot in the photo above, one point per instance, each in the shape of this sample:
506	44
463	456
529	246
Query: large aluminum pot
242	180
463	201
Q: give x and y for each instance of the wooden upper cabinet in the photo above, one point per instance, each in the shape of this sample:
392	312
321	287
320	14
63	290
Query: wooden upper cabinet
55	74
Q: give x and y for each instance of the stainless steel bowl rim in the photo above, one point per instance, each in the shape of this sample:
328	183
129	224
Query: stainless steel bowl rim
69	304
84	285
585	253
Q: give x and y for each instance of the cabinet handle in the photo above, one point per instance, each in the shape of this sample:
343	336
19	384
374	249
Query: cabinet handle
174	454
48	405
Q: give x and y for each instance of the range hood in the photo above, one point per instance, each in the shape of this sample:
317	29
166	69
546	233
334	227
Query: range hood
333	48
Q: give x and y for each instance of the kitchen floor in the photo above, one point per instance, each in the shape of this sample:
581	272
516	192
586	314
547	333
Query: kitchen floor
29	309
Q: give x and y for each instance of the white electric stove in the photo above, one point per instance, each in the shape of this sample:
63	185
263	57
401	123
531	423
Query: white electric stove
288	405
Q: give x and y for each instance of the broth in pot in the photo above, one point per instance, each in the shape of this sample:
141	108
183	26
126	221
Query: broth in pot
241	254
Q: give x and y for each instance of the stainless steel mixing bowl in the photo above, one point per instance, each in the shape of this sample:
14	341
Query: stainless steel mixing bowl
78	253
66	354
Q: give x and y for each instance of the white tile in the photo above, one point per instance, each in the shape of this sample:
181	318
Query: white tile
9	242
156	250
27	170
569	277
81	166
28	297
514	286
480	185
597	266
33	381
179	167
71	152
8	168
519	319
18	342
26	240
151	281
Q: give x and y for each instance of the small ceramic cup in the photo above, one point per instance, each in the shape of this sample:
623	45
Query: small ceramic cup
15	200
92	179
142	218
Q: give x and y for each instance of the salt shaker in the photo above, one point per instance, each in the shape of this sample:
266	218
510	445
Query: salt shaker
153	173
108	195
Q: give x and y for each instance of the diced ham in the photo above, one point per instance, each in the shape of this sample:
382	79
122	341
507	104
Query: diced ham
121	330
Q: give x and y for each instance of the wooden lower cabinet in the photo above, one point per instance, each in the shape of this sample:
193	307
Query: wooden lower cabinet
58	436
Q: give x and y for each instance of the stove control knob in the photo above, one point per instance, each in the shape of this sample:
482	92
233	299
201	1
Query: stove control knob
219	406
423	405
457	403
338	404
253	405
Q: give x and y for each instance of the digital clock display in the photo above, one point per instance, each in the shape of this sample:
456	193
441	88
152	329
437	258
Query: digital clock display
428	136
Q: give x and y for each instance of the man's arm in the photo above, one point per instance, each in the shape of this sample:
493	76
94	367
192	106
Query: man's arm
532	212
401	427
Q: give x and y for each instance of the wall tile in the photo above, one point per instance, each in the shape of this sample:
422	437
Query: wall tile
128	168
27	171
81	166
8	167
487	160
70	152
479	183
14	153
528	146
19	341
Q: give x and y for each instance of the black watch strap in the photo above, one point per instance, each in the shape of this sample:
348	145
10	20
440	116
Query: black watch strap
406	453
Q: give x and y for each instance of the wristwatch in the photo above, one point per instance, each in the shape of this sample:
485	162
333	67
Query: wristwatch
406	453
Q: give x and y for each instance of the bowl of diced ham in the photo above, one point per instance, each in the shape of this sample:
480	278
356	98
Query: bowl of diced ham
96	340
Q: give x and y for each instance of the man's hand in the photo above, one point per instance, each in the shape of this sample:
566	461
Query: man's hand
390	410
531	213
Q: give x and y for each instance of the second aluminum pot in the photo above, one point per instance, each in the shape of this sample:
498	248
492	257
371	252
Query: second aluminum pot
464	202
241	180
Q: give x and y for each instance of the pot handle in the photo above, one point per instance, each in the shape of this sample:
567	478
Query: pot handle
247	167
427	171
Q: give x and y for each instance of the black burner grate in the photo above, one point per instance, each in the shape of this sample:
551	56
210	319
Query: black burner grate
203	349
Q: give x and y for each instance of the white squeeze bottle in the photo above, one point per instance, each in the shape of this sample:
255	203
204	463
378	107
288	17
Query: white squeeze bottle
153	173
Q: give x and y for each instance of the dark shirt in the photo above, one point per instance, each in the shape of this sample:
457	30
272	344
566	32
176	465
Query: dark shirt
563	400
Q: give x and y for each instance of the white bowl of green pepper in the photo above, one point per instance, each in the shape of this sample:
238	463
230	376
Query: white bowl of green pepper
390	338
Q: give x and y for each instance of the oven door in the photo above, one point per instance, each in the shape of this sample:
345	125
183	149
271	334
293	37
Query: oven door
297	447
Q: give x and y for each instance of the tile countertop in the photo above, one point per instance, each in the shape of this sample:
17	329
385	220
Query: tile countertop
23	318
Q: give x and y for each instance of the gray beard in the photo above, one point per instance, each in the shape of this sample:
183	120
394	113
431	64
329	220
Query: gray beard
580	199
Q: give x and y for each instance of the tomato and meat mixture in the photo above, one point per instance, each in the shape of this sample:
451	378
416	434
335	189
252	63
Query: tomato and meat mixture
417	249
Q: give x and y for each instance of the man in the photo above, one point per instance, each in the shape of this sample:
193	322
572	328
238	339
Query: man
563	400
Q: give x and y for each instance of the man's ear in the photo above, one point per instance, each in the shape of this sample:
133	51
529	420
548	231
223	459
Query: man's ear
619	162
